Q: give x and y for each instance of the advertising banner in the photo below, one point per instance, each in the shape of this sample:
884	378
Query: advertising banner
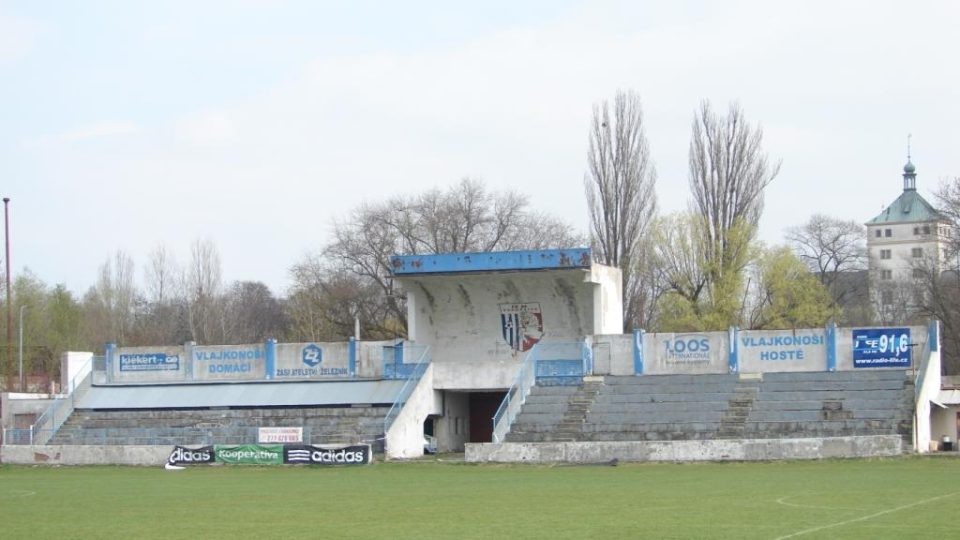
229	362
271	454
251	454
685	353
327	455
157	361
782	350
280	434
881	347
312	361
182	455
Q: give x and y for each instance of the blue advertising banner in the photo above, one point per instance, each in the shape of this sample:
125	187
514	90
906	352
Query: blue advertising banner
881	347
149	362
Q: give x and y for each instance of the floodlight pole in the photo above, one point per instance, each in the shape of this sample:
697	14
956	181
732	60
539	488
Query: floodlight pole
21	347
6	228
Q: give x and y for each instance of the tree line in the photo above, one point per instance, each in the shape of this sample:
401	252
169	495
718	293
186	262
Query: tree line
697	270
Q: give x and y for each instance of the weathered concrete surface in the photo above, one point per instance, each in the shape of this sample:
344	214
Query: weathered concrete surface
84	455
709	450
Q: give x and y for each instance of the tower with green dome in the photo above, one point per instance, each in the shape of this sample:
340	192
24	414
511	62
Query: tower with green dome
905	243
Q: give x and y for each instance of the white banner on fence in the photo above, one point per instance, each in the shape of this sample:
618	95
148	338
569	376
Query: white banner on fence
782	350
686	353
229	362
280	435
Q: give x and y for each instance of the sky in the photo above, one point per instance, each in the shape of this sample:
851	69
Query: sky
258	124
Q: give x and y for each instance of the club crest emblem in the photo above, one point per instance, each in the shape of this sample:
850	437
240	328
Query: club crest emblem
312	355
522	325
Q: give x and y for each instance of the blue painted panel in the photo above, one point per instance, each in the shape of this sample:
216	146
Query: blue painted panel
733	360
545	259
559	372
831	347
881	347
638	352
352	356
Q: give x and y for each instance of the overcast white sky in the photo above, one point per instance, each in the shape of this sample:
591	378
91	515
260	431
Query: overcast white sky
124	124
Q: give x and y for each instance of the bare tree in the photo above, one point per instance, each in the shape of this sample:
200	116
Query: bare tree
108	305
203	291
620	193
728	173
835	251
252	313
161	275
463	218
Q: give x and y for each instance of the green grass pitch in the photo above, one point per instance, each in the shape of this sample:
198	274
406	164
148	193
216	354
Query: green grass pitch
909	497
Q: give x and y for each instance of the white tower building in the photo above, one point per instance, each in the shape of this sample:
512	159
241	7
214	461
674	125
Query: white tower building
905	243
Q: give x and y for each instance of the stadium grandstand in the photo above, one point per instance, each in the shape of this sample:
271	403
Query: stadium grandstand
510	356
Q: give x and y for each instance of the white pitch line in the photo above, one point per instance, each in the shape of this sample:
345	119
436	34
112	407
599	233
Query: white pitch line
783	501
864	518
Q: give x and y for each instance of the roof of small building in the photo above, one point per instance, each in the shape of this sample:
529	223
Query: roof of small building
910	206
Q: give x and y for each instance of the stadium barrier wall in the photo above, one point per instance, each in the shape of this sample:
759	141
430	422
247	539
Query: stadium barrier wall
703	450
754	351
84	455
268	361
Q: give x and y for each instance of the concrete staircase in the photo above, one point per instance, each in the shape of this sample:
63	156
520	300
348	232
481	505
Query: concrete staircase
578	405
734	422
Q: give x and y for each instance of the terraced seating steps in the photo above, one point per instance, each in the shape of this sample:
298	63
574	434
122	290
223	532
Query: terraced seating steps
697	407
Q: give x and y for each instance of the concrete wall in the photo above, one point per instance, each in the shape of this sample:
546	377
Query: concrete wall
459	316
691	353
765	351
308	361
74	366
405	437
15	403
613	354
708	450
452	429
85	455
477	375
229	363
148	365
782	350
607	299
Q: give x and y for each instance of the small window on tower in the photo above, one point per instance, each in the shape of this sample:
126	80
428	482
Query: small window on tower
916	230
926	229
884	253
886	298
888	233
886	274
878	233
916	253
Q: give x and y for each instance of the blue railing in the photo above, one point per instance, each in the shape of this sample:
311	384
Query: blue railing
395	366
561	363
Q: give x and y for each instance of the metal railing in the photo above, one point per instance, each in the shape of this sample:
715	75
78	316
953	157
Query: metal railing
516	395
142	436
46	426
547	360
399	369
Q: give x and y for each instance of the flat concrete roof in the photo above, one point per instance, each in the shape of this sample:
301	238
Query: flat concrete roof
492	261
265	394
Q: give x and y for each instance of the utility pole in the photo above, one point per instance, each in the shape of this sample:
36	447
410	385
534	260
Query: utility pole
6	228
